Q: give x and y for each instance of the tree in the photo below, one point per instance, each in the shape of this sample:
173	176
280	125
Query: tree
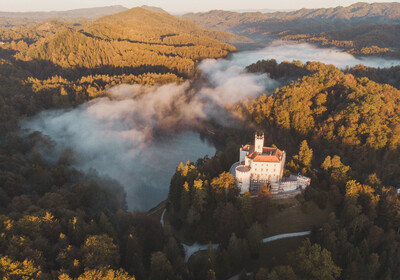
228	222
224	188
246	208
15	270
211	275
198	202
243	275
262	274
105	274
389	209
160	267
100	251
311	261
261	205
254	238
327	164
305	154
185	200
374	181
283	272
238	251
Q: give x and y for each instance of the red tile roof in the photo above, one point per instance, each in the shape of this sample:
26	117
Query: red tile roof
269	154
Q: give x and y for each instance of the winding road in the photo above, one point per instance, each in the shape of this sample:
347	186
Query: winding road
196	247
192	249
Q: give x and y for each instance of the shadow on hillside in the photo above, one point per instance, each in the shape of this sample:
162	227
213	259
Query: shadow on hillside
45	69
138	42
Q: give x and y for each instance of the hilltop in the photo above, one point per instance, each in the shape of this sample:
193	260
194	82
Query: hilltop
154	9
161	25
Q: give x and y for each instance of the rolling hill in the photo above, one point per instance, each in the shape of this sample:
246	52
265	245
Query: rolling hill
258	24
132	39
89	13
9	19
58	64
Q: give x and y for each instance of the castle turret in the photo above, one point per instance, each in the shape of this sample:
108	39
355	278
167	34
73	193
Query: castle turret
259	143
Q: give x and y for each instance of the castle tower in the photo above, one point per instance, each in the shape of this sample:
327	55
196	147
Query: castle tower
259	143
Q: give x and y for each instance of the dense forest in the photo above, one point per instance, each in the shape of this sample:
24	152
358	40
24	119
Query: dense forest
341	128
352	115
56	222
59	64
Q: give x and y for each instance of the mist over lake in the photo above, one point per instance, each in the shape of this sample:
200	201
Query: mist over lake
115	135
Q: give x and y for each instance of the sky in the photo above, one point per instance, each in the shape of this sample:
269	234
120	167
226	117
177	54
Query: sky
172	6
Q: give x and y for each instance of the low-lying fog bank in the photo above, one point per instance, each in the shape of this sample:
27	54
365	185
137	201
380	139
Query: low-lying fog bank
119	135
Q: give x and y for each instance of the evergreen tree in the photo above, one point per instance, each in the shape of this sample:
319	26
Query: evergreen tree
313	262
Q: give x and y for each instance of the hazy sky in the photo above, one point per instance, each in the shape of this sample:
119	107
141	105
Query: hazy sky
174	6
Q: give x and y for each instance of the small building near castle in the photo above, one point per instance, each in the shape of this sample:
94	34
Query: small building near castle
259	166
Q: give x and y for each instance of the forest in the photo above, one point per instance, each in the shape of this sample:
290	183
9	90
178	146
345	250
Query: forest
57	222
339	127
39	70
353	163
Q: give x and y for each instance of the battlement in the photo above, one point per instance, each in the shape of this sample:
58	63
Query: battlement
259	136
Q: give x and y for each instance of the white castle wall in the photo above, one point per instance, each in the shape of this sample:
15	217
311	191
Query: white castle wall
243	175
259	172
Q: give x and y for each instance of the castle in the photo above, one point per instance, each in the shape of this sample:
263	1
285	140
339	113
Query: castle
259	165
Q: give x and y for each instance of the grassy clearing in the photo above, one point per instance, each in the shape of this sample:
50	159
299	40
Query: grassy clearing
274	253
290	216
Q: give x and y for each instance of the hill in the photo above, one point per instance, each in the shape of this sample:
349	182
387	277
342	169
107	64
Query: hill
368	39
338	111
157	42
76	13
375	12
256	24
9	19
61	64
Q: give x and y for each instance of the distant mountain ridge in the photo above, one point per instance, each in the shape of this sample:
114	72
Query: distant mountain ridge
262	27
359	11
88	13
375	12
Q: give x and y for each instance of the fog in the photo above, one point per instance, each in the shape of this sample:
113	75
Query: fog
289	51
138	135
